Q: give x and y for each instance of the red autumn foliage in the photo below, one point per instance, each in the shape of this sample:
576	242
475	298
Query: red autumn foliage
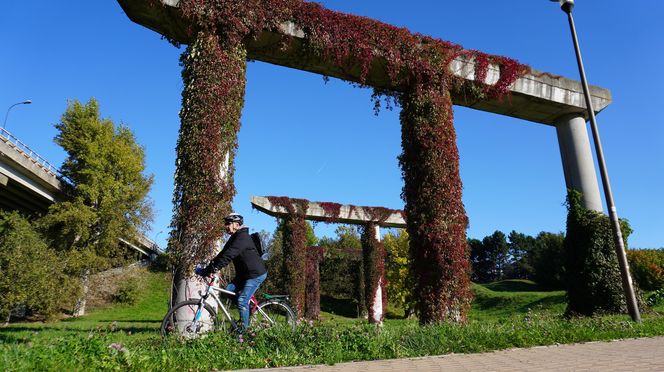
417	66
312	300
436	217
214	81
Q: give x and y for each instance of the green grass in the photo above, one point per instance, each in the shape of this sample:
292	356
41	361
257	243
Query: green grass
126	337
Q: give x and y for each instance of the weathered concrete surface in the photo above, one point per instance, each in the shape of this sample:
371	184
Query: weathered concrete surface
578	163
30	186
538	97
347	213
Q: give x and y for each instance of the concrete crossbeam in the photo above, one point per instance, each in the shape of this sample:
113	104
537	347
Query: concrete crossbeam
315	212
538	97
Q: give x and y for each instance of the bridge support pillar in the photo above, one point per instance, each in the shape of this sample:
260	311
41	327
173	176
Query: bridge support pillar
577	160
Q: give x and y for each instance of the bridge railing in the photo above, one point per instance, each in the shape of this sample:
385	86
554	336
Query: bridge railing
23	149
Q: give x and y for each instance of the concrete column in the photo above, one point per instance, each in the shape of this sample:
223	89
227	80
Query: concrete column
376	311
577	160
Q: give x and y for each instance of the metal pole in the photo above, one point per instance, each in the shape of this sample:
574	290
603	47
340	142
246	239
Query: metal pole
26	102
628	287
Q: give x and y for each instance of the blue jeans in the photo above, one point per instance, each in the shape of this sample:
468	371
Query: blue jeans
244	292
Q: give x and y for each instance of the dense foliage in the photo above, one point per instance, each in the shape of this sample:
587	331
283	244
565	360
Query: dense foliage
342	270
295	252
647	268
398	271
312	286
489	258
212	100
436	216
32	274
106	190
593	276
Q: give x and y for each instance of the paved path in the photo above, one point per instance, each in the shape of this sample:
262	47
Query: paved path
641	354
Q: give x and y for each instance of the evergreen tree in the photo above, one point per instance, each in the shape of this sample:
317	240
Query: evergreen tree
521	247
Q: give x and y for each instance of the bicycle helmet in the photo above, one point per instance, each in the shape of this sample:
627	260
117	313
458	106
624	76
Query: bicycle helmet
234	217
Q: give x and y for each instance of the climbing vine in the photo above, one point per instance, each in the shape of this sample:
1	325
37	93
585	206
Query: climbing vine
312	300
418	70
295	255
436	217
212	100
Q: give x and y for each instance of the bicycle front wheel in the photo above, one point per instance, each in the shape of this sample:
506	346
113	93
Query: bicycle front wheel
189	319
273	314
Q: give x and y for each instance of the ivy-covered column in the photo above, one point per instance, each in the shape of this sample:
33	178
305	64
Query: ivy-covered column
295	252
312	297
373	251
212	100
436	219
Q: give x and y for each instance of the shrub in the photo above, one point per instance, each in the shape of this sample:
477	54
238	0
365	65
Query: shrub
128	292
647	267
32	273
656	298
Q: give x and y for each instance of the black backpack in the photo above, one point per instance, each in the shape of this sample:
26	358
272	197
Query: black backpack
259	246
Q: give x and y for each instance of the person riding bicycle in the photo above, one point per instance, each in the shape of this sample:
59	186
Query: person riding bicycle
250	270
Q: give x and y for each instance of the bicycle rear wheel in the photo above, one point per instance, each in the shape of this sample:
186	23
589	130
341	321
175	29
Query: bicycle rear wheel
180	320
273	314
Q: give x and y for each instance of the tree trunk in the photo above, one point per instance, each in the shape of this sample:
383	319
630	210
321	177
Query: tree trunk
79	307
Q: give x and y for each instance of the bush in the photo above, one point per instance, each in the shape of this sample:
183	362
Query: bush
32	273
656	298
128	292
647	267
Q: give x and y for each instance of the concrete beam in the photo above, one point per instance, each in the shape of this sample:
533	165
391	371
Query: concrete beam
538	97
315	212
19	167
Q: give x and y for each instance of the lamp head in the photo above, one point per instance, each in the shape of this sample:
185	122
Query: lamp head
565	5
26	102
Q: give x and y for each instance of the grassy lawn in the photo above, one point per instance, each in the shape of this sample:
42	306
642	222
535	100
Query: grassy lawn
504	315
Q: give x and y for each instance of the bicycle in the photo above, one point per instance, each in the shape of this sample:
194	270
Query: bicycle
191	318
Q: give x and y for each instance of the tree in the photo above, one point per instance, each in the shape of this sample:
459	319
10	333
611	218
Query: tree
105	187
32	273
547	258
481	268
400	282
521	247
489	258
342	272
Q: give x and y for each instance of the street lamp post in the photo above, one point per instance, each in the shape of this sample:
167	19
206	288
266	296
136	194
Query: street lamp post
628	288
26	102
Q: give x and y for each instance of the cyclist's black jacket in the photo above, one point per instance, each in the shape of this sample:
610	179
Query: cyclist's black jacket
241	250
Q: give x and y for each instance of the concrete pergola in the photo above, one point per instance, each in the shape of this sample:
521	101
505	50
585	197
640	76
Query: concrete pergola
348	214
538	97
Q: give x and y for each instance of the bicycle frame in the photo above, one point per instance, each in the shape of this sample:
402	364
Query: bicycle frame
210	291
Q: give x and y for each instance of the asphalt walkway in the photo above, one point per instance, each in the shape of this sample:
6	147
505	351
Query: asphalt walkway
641	354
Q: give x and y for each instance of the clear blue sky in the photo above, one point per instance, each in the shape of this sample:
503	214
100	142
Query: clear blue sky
303	138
